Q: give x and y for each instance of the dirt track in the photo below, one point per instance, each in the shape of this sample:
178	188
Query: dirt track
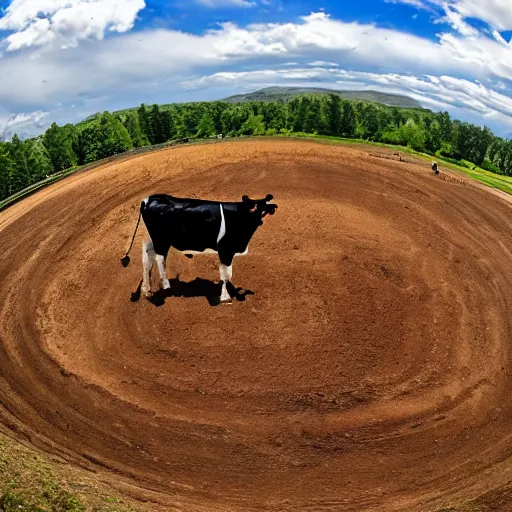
369	369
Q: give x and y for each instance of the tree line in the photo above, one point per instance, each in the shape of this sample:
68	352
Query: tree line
23	163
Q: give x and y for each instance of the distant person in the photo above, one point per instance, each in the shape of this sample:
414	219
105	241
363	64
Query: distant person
435	168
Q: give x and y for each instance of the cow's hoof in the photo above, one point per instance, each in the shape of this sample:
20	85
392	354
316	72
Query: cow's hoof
166	285
226	301
147	293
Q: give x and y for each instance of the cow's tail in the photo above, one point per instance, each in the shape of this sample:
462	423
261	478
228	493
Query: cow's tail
125	260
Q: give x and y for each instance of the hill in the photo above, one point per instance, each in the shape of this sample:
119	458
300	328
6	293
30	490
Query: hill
285	93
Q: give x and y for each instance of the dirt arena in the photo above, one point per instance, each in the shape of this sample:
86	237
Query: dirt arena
366	364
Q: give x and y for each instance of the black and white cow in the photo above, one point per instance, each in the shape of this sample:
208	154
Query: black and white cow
197	226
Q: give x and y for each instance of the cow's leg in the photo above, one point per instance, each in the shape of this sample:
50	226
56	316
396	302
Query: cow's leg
226	273
160	262
148	260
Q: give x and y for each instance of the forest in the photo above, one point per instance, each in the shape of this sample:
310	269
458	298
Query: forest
24	162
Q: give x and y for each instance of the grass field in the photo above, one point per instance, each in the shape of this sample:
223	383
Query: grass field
32	482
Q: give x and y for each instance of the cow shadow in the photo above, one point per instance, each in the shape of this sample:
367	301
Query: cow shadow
197	288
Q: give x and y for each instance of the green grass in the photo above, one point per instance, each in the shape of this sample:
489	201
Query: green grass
31	482
497	181
51	496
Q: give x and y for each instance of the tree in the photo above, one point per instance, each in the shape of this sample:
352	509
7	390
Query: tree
59	142
27	162
349	120
156	132
167	125
102	138
445	124
384	122
191	114
254	125
482	142
180	130
317	115
368	122
24	162
132	125
144	120
413	135
38	160
7	169
206	126
216	110
335	114
398	117
114	137
433	137
275	114
299	108
20	178
234	117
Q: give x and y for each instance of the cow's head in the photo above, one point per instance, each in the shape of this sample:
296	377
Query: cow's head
260	208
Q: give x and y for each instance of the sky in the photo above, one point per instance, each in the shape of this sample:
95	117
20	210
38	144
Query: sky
62	60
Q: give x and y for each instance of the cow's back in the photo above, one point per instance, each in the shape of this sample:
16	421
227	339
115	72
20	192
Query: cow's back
186	224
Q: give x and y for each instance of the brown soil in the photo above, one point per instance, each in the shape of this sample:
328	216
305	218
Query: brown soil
368	370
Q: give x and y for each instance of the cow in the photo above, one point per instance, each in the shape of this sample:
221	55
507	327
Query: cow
435	169
197	226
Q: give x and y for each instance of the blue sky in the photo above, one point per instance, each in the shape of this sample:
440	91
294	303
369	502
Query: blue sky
61	60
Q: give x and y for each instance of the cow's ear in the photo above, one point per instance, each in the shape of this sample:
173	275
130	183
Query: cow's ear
269	197
245	199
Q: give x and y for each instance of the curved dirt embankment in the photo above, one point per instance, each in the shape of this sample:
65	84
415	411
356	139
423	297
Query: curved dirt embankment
369	369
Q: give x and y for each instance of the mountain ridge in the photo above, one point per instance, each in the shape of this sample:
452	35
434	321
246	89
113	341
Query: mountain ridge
285	93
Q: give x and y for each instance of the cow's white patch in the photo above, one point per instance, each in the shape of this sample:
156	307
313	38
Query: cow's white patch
210	251
206	251
160	262
148	259
222	230
226	273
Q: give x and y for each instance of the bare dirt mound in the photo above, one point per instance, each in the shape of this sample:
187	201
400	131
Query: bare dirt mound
367	368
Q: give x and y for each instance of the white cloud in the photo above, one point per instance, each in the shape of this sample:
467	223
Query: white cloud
497	13
10	124
127	69
37	22
317	35
357	44
456	20
323	63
